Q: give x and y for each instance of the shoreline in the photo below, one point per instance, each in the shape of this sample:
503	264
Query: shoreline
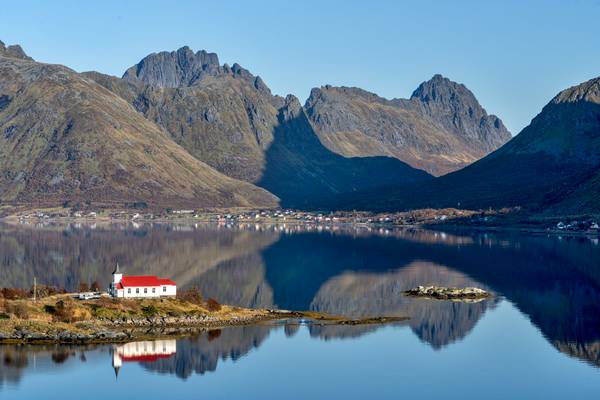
441	227
499	220
124	327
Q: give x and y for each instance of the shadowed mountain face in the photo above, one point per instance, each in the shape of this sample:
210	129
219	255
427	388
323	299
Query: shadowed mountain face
440	129
299	169
66	138
552	166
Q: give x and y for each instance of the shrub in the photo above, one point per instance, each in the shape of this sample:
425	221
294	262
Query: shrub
108	302
45	291
63	311
14	293
4	316
19	310
191	295
95	286
84	287
149	311
213	305
49	309
66	311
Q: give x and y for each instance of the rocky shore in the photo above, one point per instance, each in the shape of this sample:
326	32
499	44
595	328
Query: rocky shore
60	319
126	329
448	293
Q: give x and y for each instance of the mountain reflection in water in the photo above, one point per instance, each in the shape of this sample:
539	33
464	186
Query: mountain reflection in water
554	282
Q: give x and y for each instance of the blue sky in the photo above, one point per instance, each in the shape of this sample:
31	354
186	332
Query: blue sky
514	55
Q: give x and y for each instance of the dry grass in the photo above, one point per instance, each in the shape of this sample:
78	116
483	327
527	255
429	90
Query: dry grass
63	308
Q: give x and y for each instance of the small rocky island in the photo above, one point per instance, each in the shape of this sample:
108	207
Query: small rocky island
448	293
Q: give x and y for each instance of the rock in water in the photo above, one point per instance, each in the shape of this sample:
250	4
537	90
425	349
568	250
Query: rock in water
448	293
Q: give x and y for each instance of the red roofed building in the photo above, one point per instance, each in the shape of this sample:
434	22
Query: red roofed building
140	286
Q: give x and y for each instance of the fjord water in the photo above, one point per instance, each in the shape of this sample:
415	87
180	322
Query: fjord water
538	337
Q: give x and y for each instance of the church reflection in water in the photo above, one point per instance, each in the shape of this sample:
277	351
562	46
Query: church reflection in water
145	351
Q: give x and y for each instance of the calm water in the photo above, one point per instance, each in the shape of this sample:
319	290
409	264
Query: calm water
539	337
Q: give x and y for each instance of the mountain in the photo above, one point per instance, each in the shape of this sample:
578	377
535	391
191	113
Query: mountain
301	170
66	138
180	129
13	51
229	119
552	166
440	129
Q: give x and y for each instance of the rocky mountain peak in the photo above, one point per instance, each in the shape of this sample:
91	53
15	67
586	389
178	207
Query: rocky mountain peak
442	90
442	123
291	107
333	93
567	127
588	91
13	51
184	68
454	107
174	69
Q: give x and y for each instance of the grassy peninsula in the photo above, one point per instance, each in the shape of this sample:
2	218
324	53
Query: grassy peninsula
61	318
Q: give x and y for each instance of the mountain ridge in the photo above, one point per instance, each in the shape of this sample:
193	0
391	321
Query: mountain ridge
551	167
224	121
440	128
228	118
68	139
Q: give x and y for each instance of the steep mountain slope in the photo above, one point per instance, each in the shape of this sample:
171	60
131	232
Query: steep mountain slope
553	165
440	129
228	118
222	115
66	138
301	171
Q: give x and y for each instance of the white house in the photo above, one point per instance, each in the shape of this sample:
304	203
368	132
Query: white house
141	286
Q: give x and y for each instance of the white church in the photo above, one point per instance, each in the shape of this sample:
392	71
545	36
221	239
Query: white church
141	286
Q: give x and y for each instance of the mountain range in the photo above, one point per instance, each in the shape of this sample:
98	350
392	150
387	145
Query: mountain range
67	138
552	166
181	129
440	129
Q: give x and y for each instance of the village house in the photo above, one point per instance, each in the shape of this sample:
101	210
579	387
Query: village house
142	286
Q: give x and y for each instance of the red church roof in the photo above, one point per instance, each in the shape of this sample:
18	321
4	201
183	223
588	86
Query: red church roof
144	281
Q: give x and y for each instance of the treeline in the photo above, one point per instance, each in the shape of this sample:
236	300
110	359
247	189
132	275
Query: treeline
42	291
